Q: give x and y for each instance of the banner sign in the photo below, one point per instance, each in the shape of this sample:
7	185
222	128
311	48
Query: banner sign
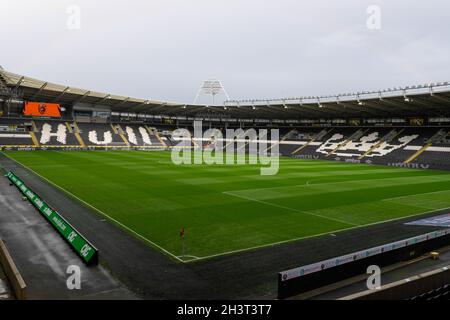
81	245
42	109
337	261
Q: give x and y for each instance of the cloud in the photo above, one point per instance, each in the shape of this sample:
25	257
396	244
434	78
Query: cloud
163	49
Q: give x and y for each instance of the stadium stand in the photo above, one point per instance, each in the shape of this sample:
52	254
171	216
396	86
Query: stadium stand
406	127
296	140
439	294
14	133
416	147
166	138
70	134
99	135
389	146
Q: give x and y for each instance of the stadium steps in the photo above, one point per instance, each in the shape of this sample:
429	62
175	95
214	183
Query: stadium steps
32	133
245	145
170	143
119	129
156	134
441	133
160	140
355	136
34	139
316	293
121	133
248	142
319	136
77	135
69	127
232	142
34	127
195	144
391	135
114	129
418	153
242	147
282	139
127	143
439	294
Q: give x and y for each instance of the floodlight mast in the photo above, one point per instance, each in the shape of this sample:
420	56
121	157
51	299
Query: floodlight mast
211	87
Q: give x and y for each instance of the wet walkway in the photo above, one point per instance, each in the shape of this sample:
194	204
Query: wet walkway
44	258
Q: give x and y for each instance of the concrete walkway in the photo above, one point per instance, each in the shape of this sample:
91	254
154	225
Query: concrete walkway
43	257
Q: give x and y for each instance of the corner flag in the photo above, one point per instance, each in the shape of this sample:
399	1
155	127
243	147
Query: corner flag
182	232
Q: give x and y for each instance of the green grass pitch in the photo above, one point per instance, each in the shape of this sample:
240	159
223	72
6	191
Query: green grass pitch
230	208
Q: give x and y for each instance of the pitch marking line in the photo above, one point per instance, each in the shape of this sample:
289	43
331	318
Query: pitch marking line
309	183
288	208
191	258
330	233
99	211
416	194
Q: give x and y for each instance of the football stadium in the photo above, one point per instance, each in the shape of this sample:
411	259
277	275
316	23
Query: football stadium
335	197
360	183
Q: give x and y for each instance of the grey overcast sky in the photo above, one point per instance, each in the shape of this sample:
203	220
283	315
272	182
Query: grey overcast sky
164	49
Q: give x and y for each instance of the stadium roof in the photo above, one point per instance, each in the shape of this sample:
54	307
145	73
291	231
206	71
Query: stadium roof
422	100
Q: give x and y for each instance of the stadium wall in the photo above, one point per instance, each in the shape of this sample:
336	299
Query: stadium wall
402	290
298	280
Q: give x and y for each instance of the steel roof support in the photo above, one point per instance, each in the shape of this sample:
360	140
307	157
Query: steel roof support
61	94
39	91
81	98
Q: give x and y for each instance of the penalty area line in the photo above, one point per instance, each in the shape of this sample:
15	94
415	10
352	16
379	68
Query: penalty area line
289	208
332	233
98	210
414	195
